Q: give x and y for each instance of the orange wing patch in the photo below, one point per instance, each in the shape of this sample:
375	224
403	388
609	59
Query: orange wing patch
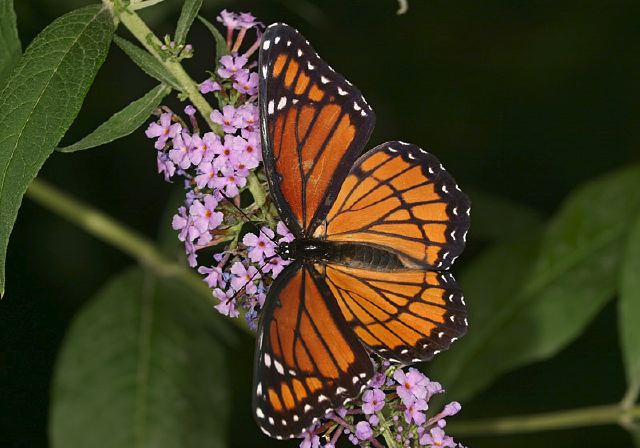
308	359
407	315
317	124
399	197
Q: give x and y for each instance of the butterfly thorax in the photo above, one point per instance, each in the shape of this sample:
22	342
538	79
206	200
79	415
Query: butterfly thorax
305	249
357	255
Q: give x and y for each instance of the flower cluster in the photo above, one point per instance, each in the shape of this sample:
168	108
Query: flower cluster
394	407
217	167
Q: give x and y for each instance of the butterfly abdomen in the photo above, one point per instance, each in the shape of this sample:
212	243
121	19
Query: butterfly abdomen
365	256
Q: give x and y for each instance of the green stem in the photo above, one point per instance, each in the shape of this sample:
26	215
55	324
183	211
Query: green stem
572	418
386	434
145	36
120	236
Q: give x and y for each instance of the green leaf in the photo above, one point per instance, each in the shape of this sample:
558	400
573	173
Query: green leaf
42	98
10	47
221	42
189	12
496	218
150	65
573	277
122	123
629	310
140	367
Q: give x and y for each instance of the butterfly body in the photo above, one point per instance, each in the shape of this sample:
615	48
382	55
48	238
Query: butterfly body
374	237
360	255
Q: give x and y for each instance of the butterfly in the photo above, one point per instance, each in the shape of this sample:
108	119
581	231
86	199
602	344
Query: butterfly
375	235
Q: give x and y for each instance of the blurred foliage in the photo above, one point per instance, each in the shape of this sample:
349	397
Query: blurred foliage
530	105
143	357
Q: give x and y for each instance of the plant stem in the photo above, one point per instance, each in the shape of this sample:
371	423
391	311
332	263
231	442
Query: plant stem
120	236
386	434
145	36
572	418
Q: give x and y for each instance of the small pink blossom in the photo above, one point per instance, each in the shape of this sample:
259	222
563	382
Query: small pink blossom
227	305
246	83
231	66
163	130
227	119
209	85
244	277
260	246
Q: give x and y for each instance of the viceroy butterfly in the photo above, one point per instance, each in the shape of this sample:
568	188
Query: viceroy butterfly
374	237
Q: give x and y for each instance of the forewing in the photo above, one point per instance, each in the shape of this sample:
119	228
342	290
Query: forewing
314	125
399	197
405	316
308	361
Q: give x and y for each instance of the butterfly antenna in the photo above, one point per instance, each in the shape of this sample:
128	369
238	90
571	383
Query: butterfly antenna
230	201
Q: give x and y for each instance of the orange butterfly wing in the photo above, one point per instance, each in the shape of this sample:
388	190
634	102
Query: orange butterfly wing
406	316
308	361
314	126
400	198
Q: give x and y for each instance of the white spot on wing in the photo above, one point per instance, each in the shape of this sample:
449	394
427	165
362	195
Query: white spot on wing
307	408
266	44
340	390
270	107
310	66
324	80
279	367
299	52
282	102
277	39
267	360
259	413
341	92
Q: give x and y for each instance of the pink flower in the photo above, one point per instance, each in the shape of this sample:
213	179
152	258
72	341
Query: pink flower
260	246
247	20
209	85
207	175
180	152
249	149
284	232
364	431
437	437
413	411
227	119
227	305
228	19
202	148
373	401
244	278
213	276
248	122
229	181
275	265
231	66
412	385
163	130
246	83
203	214
165	166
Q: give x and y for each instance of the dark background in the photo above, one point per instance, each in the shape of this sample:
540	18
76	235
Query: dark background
524	100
